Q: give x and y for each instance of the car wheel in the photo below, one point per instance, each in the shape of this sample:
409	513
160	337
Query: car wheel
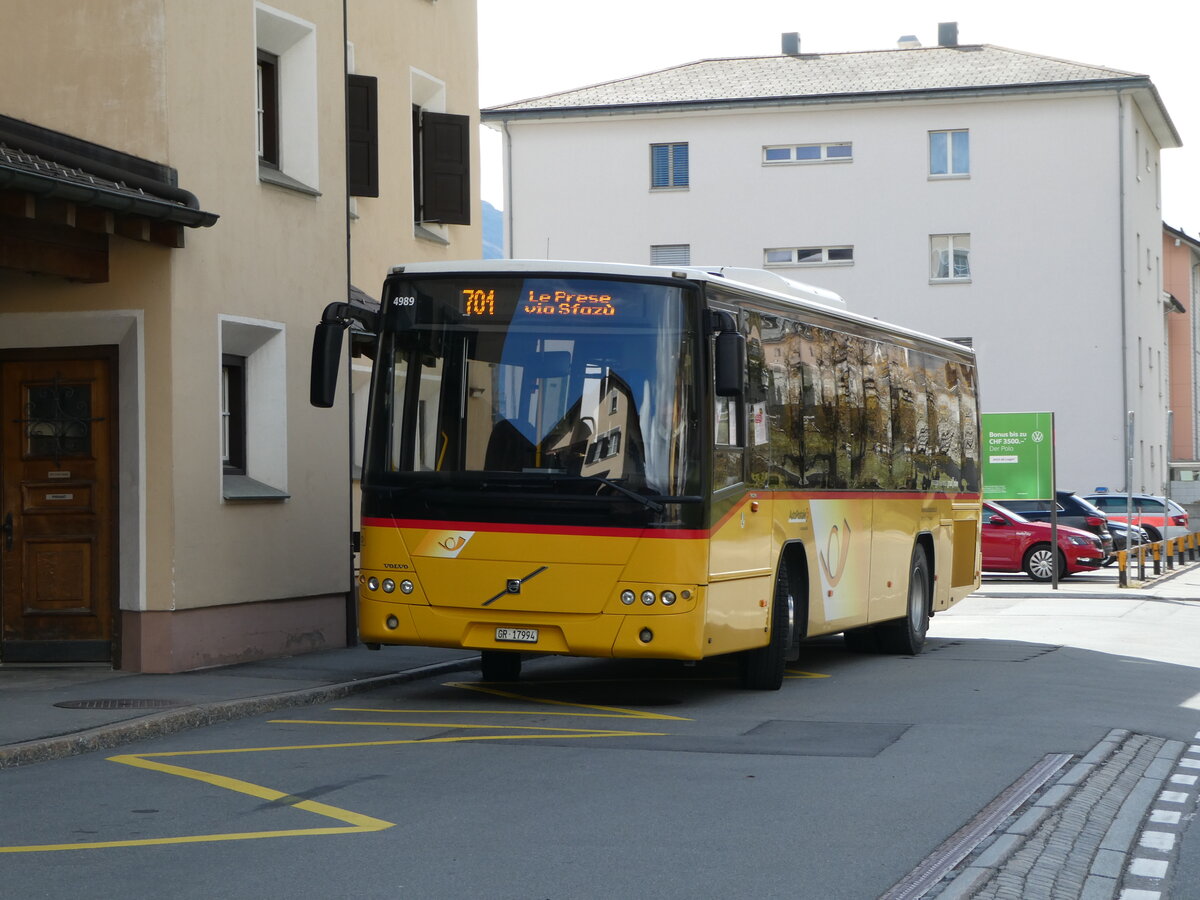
1152	534
1039	562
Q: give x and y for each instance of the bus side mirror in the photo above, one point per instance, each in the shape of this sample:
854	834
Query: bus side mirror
326	360
730	363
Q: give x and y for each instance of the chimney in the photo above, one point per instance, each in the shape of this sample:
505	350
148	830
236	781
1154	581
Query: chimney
908	42
791	43
947	34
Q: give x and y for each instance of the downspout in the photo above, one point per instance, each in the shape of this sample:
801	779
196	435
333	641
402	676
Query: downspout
1124	298
508	204
351	600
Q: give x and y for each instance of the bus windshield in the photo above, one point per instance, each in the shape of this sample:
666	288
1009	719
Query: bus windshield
578	380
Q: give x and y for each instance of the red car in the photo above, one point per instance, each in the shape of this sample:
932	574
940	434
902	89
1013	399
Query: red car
1012	543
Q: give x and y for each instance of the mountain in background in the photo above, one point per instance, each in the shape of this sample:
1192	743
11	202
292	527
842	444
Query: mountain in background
493	232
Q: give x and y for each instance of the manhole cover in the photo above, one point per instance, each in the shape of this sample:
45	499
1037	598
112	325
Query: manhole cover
122	703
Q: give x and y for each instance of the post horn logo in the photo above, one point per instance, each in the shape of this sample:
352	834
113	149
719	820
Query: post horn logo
838	552
452	543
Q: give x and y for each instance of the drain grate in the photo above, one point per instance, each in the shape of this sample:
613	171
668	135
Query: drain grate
120	703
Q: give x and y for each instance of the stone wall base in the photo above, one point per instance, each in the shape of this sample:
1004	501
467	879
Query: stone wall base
223	635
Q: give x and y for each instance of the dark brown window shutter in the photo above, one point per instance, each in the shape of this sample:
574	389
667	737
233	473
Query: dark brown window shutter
362	135
445	168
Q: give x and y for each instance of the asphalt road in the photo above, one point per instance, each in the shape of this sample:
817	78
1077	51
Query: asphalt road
597	779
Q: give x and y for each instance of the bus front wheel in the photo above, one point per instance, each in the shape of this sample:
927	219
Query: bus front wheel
500	665
762	667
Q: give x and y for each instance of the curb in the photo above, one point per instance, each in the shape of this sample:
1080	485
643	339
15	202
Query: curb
1077	836
105	737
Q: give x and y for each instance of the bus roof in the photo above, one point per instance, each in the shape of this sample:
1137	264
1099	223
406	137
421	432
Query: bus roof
757	281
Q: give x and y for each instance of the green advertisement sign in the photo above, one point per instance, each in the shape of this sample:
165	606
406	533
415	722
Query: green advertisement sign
1018	456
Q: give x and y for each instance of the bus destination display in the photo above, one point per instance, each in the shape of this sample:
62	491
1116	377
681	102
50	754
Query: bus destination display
481	303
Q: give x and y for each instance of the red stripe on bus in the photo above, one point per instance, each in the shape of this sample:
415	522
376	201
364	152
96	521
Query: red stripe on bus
690	534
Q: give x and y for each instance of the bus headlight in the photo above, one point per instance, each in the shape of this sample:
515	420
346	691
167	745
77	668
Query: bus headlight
372	583
627	597
388	585
668	598
406	586
648	598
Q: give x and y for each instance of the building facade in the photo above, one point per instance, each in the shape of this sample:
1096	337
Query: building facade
1181	287
183	187
969	191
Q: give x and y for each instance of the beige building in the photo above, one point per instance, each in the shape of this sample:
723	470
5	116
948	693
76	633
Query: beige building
1181	289
182	191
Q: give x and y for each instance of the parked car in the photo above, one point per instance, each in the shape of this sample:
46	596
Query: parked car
1012	543
1073	510
1120	533
1160	517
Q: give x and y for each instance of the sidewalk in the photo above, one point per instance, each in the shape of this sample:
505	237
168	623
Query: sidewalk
47	712
52	711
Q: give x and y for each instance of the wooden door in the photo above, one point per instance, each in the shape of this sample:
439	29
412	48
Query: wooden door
57	450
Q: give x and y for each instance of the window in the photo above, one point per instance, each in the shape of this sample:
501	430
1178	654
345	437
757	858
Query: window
949	153
233	414
253	409
671	254
950	257
809	153
268	108
668	165
809	256
286	100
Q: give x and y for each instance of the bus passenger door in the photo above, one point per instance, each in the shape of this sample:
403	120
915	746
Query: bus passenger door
741	566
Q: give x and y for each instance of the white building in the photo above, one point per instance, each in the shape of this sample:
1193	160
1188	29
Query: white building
971	192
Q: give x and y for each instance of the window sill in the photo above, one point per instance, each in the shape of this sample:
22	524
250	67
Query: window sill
816	265
769	163
269	175
425	234
955	176
949	280
669	188
243	487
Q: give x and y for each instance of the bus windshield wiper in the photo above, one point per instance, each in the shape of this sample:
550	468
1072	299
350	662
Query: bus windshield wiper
617	486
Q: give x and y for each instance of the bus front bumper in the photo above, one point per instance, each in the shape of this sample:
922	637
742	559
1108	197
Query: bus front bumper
653	636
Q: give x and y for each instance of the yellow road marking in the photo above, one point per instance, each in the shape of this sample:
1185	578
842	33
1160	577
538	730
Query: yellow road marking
616	711
357	823
796	673
489	712
472	726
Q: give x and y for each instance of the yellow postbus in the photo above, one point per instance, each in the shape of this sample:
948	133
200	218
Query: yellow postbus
627	461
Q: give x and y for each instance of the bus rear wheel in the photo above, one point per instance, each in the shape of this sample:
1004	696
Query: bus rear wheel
762	667
907	635
500	665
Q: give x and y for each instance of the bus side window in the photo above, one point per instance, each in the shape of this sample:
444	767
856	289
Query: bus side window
877	400
758	390
729	436
971	469
820	408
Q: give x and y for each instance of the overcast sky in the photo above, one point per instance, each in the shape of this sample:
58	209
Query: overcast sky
528	48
